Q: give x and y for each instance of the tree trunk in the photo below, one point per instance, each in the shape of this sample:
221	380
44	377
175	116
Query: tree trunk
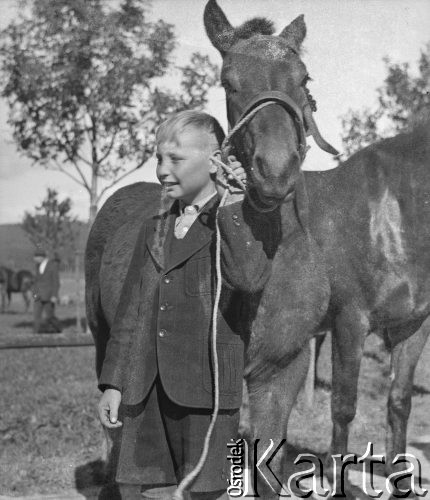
93	213
93	199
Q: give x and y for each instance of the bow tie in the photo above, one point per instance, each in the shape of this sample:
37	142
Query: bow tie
190	209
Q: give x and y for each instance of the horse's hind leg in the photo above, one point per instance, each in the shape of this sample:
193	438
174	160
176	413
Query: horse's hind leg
270	403
26	297
404	359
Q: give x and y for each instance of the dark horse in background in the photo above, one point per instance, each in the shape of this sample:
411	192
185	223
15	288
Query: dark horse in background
15	282
353	258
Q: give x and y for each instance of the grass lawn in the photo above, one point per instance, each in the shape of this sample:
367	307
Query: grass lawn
48	427
51	439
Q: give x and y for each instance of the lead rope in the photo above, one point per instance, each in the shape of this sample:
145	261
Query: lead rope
189	478
225	147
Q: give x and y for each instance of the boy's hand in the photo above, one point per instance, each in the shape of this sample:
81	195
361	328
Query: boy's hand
227	178
108	408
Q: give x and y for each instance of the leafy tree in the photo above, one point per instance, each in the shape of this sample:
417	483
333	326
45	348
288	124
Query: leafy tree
403	102
52	227
82	80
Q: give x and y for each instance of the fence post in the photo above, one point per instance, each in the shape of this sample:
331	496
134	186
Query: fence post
78	291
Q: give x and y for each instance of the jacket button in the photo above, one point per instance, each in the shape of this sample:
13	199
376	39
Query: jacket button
164	306
162	333
166	280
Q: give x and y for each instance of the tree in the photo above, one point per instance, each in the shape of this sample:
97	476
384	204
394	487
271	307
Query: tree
403	102
52	228
82	80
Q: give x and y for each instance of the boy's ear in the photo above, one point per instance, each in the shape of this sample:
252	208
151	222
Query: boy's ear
213	166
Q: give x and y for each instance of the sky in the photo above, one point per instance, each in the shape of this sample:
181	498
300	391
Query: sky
344	50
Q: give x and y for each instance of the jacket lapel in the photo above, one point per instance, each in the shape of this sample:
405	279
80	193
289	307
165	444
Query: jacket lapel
199	235
160	237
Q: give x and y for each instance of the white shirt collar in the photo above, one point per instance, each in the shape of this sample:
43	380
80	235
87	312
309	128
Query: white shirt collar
197	206
42	265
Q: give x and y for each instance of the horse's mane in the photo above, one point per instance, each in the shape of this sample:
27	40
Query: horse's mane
257	25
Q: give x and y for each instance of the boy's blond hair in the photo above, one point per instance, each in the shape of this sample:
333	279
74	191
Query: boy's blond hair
198	120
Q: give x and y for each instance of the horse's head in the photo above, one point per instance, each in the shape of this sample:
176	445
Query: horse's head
265	83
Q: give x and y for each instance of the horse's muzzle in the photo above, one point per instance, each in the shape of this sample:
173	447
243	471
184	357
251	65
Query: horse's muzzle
273	178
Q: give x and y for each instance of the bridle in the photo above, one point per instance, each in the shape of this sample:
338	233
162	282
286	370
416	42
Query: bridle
259	102
268	98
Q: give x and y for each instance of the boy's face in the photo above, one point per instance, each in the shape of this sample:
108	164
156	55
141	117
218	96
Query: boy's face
184	168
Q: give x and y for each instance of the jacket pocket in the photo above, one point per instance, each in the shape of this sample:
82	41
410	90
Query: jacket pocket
230	365
198	276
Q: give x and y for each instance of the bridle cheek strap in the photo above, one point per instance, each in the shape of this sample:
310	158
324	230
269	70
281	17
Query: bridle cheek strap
265	99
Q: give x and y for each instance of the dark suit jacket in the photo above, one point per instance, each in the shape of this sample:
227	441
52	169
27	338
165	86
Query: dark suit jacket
46	285
164	319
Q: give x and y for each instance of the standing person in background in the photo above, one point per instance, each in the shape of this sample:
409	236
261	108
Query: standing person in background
45	293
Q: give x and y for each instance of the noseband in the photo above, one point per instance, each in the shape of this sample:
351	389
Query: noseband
262	100
268	98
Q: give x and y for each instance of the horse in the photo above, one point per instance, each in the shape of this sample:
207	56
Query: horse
366	224
15	282
321	278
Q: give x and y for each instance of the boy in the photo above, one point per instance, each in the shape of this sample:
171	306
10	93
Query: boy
158	363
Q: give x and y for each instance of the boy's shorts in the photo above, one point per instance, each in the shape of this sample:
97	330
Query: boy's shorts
162	442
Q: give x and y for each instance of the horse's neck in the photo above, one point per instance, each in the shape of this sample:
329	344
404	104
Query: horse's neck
295	213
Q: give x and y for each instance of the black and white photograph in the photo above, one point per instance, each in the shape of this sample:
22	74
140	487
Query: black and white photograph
214	249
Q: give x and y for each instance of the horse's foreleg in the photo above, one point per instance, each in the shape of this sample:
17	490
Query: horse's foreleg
348	336
319	340
404	359
270	403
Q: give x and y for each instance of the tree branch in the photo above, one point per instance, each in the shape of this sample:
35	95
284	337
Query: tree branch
68	148
71	159
83	160
103	158
120	178
84	180
64	171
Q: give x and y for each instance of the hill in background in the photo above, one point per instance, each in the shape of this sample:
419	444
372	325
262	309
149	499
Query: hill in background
16	249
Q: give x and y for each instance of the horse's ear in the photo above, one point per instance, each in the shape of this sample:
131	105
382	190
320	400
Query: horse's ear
295	33
218	28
